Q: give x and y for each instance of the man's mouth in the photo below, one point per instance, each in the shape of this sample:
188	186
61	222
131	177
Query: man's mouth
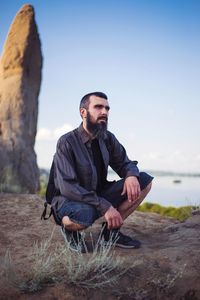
103	119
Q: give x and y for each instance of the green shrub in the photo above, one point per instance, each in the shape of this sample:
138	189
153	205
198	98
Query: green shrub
42	189
44	177
179	213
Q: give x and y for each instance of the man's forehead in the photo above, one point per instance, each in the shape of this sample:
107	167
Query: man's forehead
98	100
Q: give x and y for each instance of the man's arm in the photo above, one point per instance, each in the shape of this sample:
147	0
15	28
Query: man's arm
67	181
119	160
125	168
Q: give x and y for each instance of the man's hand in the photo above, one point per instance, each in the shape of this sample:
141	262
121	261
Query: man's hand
113	218
131	188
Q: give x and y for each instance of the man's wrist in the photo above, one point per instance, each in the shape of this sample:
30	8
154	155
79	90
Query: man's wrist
108	209
105	208
132	176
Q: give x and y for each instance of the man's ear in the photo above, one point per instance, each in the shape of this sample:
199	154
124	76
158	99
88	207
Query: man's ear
83	112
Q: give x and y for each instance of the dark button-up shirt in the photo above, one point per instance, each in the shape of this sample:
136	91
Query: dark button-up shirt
75	172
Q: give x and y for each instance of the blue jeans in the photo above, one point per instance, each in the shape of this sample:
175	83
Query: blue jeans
85	214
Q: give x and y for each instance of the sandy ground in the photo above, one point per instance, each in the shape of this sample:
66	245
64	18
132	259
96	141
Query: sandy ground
21	227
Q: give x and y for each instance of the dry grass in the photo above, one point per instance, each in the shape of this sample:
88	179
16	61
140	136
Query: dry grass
159	287
50	263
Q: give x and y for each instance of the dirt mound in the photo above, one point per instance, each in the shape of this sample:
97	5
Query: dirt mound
168	263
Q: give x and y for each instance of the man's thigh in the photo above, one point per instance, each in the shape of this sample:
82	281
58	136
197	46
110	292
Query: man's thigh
113	192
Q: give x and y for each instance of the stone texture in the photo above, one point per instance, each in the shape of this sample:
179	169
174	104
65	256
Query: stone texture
20	79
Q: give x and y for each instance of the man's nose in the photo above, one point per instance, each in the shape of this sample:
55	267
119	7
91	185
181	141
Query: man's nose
104	111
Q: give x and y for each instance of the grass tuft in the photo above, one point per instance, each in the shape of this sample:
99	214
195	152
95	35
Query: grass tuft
50	263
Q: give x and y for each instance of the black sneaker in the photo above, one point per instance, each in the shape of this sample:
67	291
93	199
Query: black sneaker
119	239
74	240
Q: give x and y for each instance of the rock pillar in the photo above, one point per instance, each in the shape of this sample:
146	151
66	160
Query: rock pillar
20	79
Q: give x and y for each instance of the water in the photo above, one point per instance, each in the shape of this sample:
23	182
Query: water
167	193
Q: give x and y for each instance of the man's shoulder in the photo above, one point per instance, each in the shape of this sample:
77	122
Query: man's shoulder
109	135
68	137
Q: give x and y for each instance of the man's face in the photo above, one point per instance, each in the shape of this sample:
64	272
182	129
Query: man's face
97	115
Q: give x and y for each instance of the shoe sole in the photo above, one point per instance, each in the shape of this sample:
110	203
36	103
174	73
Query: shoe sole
122	246
126	246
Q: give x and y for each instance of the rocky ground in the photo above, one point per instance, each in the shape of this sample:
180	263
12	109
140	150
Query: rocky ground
168	263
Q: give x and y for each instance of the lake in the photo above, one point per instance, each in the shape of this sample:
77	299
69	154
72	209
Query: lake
167	193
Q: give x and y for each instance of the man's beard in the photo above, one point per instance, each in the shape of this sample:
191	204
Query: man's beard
96	129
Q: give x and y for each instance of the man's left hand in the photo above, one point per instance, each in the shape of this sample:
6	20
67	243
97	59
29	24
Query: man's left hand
131	188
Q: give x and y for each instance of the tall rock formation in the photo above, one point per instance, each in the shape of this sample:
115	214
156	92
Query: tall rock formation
20	78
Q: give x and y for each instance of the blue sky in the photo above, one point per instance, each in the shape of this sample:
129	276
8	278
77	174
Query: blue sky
145	55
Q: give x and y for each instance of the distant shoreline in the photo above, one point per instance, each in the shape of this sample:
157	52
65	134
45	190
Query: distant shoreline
172	174
166	173
152	172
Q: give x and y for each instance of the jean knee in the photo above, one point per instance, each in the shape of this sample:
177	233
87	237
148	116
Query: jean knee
90	214
84	215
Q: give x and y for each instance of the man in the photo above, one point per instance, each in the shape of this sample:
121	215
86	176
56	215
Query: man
81	164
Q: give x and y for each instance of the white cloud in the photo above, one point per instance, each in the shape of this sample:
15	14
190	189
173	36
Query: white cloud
198	157
45	134
153	156
177	160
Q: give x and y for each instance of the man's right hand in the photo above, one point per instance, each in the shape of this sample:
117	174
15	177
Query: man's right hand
113	218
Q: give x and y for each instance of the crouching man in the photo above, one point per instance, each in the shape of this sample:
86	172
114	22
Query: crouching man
81	165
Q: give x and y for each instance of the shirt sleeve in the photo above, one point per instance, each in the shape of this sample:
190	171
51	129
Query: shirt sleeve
119	160
66	180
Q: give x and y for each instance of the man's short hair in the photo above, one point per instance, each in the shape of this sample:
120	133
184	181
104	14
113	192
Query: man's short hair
85	100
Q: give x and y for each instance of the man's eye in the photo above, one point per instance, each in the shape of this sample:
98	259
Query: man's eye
101	106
